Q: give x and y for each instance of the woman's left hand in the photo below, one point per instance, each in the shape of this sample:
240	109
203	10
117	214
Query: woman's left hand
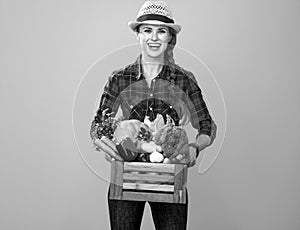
195	148
189	160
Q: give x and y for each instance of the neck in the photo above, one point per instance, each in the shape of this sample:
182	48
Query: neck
152	66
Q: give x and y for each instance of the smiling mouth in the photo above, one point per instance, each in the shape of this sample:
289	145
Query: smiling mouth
154	46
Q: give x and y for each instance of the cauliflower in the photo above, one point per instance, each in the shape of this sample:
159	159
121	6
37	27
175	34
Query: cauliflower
174	143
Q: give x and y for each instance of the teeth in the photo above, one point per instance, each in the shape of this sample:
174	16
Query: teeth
154	45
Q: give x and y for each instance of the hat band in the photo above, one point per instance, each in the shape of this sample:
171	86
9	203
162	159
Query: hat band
155	17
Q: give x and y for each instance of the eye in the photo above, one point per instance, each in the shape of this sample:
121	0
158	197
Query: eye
162	31
147	30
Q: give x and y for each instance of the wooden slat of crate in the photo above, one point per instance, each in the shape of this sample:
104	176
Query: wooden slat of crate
149	177
153	187
143	196
148	167
180	183
117	180
179	172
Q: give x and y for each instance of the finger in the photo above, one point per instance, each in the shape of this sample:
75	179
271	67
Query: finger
184	161
179	157
174	161
109	158
194	149
192	158
191	163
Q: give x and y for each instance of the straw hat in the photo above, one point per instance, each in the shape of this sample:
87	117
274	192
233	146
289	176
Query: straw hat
155	13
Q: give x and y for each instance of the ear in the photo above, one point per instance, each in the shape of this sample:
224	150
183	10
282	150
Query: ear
137	36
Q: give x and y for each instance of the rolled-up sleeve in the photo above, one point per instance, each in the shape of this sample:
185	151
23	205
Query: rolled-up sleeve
109	101
200	116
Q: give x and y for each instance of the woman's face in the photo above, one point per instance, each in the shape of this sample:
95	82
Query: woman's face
153	40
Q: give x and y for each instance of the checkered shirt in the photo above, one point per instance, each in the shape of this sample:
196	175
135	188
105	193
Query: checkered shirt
173	92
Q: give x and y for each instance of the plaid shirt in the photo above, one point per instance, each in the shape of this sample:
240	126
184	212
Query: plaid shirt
173	92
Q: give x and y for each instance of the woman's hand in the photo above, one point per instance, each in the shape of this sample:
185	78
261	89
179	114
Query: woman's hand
189	160
195	148
181	159
109	148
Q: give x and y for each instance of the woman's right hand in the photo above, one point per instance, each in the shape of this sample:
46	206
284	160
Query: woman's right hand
109	148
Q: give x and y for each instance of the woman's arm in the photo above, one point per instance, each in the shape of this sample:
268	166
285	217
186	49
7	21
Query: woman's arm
200	116
109	104
200	119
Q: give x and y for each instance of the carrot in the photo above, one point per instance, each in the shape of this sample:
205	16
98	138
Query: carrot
108	147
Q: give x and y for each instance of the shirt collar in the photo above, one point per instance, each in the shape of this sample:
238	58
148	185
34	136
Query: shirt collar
166	73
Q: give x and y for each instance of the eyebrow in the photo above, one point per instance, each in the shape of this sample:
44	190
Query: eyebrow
150	27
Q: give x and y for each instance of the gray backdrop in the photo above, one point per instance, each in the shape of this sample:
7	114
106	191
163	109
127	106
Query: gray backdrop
252	47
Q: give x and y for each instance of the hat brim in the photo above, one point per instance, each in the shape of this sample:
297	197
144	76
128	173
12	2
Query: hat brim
133	24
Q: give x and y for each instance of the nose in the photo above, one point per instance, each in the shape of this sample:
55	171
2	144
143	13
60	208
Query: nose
154	36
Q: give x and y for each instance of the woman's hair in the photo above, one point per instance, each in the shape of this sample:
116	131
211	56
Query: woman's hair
169	56
180	107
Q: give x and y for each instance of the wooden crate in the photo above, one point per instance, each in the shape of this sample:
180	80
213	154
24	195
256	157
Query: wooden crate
155	182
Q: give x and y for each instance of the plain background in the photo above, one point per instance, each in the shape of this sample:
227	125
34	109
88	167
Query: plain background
253	49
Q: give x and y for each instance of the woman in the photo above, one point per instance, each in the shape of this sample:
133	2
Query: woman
153	85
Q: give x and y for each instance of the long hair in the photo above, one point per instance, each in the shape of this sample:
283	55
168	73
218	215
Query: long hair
179	104
169	55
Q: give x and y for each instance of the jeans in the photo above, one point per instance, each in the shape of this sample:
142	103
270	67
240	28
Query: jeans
127	215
